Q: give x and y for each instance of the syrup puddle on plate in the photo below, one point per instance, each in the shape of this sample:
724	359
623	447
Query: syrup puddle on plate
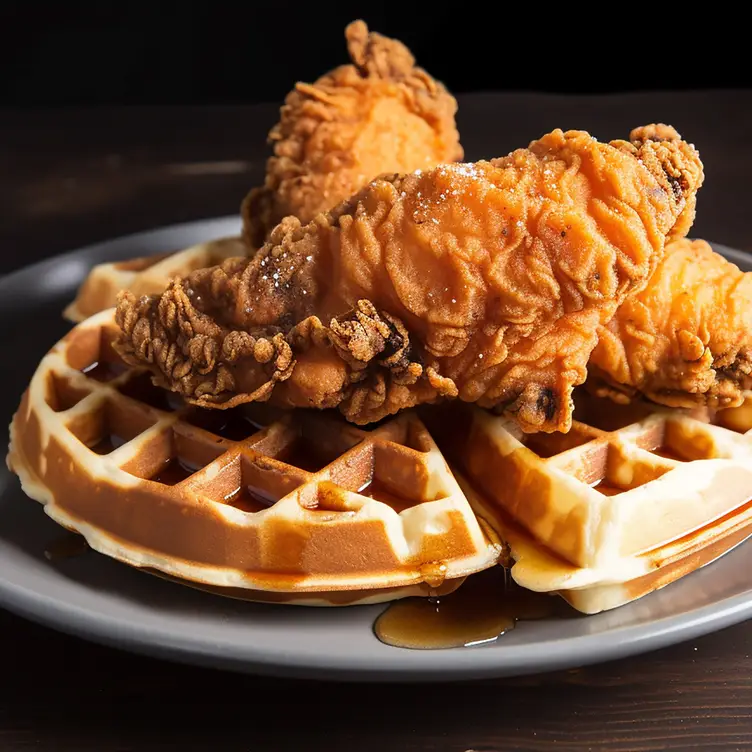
485	606
482	609
66	547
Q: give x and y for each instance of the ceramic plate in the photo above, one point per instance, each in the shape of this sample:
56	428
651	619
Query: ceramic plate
102	600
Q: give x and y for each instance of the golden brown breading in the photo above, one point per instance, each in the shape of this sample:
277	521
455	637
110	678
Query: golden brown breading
379	114
686	339
482	281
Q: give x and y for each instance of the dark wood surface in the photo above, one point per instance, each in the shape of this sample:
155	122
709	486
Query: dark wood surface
75	177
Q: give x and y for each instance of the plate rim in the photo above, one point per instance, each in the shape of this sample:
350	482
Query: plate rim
402	665
467	663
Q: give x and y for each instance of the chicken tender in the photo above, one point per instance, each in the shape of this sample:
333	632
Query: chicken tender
379	114
686	339
485	282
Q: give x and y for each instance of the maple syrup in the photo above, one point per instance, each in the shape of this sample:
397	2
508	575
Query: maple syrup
299	454
668	453
245	499
141	389
229	424
66	547
376	490
603	487
102	370
173	471
486	605
107	444
550	444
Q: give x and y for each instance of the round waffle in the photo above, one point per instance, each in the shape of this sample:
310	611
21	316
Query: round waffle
632	498
146	275
292	506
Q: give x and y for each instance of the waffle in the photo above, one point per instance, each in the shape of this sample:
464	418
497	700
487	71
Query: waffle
146	275
294	507
632	498
737	419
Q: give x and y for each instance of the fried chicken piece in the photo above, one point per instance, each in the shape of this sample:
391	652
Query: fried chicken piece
483	281
378	114
686	339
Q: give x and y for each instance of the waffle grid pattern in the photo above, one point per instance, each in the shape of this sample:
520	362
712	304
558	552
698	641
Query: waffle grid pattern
633	498
624	481
262	471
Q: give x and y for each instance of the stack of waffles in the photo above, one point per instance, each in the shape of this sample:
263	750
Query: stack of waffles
304	508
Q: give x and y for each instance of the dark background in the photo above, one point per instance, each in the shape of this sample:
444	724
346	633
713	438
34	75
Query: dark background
86	53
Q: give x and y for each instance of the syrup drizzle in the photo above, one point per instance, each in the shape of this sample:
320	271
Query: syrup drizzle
229	424
173	471
302	456
141	389
104	370
107	444
603	487
668	453
245	499
374	489
485	606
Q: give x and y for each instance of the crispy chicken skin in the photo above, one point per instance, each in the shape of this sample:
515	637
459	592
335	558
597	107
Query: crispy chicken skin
686	339
378	114
485	281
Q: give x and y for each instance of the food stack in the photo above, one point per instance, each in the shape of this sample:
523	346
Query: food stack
443	368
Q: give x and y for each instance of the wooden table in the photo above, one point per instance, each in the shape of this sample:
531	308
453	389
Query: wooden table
74	177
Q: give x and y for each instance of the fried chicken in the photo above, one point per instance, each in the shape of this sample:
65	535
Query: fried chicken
378	114
686	339
485	282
